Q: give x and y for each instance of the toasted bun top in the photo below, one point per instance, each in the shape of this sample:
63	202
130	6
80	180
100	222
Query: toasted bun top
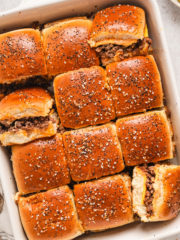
104	203
166	201
83	98
66	46
22	55
135	85
61	21
50	215
145	138
40	165
30	102
93	152
122	24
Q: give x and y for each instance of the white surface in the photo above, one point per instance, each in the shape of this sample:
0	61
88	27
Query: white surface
171	19
176	2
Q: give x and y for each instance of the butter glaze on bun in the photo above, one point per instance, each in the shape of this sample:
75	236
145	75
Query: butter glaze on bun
145	138
66	45
135	85
40	165
122	25
22	55
104	203
27	115
93	152
50	215
83	97
28	102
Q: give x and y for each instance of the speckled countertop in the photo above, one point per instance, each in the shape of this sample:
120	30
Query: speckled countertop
171	19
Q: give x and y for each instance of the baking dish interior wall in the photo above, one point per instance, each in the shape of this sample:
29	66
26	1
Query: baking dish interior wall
63	9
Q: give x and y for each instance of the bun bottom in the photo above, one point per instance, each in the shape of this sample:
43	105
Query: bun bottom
22	136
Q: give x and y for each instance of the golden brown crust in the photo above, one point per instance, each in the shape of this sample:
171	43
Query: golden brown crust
122	25
29	102
165	185
66	46
167	206
22	55
82	98
50	215
104	203
145	138
47	25
93	152
135	85
40	165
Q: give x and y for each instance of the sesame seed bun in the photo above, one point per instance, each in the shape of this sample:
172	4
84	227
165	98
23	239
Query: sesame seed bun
40	165
66	46
166	193
50	215
135	85
104	203
145	138
26	115
93	152
83	97
22	55
122	25
29	102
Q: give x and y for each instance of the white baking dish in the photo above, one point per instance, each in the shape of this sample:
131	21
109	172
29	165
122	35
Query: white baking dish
60	9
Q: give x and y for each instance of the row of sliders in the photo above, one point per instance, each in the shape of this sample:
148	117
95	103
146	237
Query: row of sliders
91	96
92	152
113	34
88	96
102	204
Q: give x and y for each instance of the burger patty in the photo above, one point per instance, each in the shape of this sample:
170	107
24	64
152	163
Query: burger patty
25	124
148	200
141	48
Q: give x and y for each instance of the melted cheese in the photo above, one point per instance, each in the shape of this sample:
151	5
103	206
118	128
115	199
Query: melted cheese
146	34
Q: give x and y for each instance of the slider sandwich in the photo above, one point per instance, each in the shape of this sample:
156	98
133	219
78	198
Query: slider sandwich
66	45
21	57
40	165
50	215
83	98
145	138
120	32
104	203
26	115
93	152
156	192
135	85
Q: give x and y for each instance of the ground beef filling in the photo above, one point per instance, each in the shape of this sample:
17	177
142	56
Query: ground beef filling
141	48
25	124
148	200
